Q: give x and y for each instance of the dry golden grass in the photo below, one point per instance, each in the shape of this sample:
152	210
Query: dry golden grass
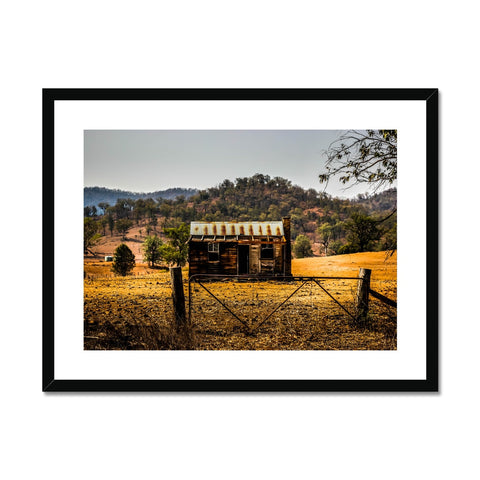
98	269
135	312
383	267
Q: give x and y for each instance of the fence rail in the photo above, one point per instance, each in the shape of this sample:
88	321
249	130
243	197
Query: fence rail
383	298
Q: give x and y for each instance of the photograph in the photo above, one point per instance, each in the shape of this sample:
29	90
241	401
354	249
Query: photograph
240	239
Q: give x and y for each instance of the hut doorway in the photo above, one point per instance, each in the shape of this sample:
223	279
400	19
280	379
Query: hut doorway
243	259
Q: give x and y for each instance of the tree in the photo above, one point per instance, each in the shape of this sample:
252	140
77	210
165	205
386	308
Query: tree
298	220
104	206
104	223
150	207
165	209
130	203
139	210
335	247
338	230
123	225
325	230
151	250
90	211
171	255
123	260
90	235
363	156
302	247
389	239
153	222
274	212
122	208
176	250
363	231
111	223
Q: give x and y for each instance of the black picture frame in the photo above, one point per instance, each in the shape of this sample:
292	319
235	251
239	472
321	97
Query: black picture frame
430	384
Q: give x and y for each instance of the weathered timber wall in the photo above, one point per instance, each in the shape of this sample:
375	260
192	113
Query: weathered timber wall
278	258
228	259
199	263
197	258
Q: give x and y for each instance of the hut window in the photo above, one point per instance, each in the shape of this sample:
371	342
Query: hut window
267	251
213	252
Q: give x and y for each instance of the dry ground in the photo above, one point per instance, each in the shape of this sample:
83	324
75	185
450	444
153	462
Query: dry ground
108	243
135	312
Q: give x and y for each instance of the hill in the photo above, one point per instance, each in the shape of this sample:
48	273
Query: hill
379	202
93	196
263	198
325	220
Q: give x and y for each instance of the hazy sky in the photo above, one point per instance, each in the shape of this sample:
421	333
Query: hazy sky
150	160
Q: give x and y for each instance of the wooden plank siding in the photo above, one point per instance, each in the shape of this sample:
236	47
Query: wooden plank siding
199	263
228	238
197	258
227	264
228	258
278	258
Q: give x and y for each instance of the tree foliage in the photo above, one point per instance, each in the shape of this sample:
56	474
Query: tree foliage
325	230
103	206
90	235
123	260
176	250
363	156
123	226
90	211
111	223
302	247
389	239
256	198
363	231
152	250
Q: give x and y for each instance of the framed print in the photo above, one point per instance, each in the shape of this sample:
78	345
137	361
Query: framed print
240	240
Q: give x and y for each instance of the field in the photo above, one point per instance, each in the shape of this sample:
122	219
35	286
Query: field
135	312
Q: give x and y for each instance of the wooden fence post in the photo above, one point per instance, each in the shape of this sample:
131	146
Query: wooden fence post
178	296
363	291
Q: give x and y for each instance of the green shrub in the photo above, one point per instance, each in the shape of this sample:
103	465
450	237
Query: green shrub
123	260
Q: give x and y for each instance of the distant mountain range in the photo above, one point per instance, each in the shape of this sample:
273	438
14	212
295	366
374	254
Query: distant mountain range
95	195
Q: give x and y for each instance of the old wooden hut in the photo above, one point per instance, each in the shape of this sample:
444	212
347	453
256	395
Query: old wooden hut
240	248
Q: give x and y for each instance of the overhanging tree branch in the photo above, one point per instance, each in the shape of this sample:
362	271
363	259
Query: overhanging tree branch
363	157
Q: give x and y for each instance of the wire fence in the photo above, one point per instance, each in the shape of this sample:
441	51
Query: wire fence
257	303
135	275
230	313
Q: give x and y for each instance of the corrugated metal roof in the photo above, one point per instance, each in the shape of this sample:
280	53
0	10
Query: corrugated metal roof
263	229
